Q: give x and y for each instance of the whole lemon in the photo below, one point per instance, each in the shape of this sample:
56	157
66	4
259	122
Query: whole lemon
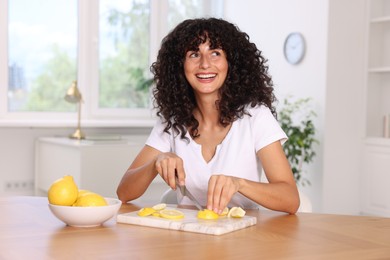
82	192
90	199
63	191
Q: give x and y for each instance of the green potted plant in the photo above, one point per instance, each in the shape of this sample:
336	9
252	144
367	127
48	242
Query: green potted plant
296	119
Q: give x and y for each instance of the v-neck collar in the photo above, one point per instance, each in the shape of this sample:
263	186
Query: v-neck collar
218	147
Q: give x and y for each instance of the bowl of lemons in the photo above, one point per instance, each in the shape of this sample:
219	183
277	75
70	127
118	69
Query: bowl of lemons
80	208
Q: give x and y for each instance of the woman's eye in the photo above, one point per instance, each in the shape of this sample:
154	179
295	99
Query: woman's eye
216	53
193	55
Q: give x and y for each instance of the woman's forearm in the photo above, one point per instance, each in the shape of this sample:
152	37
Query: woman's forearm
280	196
135	181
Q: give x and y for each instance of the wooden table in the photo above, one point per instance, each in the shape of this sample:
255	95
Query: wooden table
28	230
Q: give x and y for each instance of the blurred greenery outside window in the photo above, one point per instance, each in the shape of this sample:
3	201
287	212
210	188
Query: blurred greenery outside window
42	53
47	46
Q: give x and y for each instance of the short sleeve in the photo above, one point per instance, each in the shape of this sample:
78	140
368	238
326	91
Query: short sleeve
159	139
265	127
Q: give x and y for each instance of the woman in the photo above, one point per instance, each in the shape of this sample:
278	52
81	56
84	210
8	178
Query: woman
216	129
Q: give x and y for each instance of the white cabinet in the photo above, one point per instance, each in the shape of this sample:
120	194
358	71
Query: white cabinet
375	179
378	67
95	165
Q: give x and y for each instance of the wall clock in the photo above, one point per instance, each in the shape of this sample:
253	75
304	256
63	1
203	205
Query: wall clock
294	48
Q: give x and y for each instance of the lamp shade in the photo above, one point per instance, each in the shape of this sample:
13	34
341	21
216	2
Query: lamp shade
73	94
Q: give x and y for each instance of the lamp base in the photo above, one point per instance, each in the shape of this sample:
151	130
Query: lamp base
78	134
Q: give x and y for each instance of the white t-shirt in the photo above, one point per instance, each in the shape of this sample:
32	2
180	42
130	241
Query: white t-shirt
234	156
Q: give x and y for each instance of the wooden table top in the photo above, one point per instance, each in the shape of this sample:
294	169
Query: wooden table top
28	230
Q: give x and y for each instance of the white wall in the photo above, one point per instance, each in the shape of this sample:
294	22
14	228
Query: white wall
344	106
268	23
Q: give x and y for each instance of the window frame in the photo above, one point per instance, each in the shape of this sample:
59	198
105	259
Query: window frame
3	59
88	71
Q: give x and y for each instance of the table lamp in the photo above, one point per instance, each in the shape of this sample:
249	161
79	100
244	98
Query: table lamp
73	95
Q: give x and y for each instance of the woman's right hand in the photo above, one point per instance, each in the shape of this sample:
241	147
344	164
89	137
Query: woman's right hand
168	166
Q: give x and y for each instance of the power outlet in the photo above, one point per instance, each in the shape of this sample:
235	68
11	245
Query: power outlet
19	185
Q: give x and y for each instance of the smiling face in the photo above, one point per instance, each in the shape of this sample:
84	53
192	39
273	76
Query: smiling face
206	69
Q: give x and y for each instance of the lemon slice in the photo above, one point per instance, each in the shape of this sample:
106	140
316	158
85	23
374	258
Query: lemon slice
146	212
171	214
236	212
160	206
156	214
224	212
207	214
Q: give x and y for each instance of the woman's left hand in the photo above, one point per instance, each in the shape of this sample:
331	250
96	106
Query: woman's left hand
220	191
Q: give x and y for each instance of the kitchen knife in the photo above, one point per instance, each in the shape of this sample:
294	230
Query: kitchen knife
185	192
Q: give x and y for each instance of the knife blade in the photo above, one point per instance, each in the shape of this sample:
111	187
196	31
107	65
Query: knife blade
185	192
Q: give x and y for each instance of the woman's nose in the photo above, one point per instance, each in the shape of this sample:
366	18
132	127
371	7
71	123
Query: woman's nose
204	62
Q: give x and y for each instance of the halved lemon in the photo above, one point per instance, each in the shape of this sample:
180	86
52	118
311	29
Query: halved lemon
159	206
146	212
171	214
236	212
207	214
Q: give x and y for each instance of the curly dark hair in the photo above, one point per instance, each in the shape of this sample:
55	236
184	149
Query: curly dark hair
247	81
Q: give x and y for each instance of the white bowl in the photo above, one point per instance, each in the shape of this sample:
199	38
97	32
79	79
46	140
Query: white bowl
86	216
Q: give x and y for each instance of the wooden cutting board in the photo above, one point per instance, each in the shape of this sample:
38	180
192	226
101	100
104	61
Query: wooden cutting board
190	222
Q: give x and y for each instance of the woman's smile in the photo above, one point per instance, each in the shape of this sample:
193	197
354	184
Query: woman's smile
206	69
206	75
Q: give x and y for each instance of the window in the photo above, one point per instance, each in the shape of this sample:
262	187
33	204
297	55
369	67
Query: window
106	45
42	54
123	54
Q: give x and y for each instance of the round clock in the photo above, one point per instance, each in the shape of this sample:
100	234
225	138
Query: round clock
294	48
